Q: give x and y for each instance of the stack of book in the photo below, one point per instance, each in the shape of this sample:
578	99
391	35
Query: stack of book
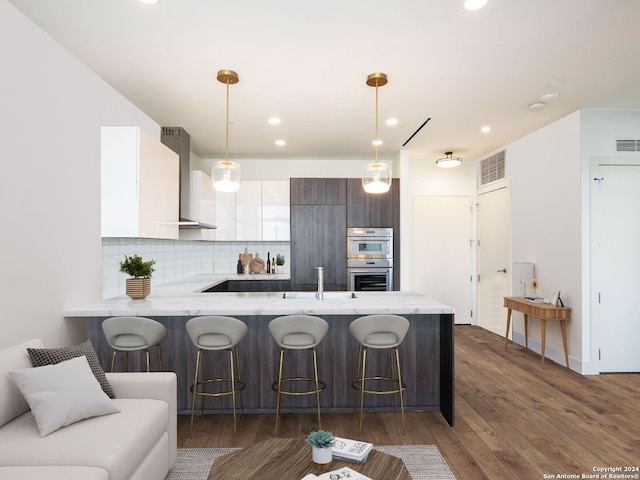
341	473
351	450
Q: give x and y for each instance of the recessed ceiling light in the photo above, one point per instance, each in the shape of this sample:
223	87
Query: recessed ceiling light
391	121
149	2
274	121
280	143
548	97
536	105
377	142
485	129
474	4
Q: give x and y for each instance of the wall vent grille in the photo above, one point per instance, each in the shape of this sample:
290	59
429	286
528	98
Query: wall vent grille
625	145
169	131
492	168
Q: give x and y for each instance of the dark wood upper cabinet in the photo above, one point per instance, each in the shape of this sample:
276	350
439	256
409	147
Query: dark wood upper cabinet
318	191
371	210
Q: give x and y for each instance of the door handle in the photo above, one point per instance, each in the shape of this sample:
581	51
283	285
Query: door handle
504	270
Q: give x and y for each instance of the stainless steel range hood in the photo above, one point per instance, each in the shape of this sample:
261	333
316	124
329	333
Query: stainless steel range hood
179	140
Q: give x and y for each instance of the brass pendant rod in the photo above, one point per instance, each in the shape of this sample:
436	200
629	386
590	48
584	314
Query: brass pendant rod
376	137
226	152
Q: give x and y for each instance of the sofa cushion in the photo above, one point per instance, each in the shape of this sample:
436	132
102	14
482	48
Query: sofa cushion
12	402
62	394
50	356
53	473
117	443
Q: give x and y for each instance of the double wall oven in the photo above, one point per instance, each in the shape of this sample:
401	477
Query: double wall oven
370	259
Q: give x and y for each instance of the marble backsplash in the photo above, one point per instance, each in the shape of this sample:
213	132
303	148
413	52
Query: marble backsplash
178	259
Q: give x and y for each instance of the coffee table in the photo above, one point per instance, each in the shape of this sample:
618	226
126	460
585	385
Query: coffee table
289	458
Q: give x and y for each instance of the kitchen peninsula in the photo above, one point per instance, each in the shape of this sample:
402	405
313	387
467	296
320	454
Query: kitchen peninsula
427	352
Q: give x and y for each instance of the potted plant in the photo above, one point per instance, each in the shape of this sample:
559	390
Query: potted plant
280	263
321	448
139	271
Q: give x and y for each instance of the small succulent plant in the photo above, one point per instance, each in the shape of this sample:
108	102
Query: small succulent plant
321	439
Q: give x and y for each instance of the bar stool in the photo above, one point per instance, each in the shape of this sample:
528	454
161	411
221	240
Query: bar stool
216	333
133	334
297	332
379	332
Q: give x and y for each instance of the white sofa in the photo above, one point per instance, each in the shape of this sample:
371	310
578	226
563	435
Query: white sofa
138	443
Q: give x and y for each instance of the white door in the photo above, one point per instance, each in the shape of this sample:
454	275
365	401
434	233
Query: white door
493	258
442	252
615	260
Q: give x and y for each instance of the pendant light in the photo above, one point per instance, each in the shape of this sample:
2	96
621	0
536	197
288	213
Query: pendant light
448	161
376	177
225	173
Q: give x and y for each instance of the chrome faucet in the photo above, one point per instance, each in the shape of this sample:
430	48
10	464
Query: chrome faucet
320	282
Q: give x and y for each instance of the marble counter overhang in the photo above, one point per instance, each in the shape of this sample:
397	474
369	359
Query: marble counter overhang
185	298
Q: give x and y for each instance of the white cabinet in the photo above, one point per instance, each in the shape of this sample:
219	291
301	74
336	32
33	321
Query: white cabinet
249	211
275	210
140	185
225	216
259	211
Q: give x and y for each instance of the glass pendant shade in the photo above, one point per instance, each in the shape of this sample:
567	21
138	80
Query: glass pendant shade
376	178
226	176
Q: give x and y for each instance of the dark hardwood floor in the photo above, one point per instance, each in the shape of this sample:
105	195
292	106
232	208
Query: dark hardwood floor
514	420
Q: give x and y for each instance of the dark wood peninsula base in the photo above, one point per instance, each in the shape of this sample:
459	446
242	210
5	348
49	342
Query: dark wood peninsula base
427	356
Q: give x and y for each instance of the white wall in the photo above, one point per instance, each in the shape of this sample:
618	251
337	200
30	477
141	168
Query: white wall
600	129
422	178
544	168
50	250
260	169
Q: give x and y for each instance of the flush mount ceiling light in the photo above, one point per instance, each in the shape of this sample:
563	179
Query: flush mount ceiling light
150	2
474	4
226	174
376	177
448	161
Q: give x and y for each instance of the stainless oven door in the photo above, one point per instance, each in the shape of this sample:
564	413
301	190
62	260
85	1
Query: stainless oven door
370	279
371	247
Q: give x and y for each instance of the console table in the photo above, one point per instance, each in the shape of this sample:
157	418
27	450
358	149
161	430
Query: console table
544	312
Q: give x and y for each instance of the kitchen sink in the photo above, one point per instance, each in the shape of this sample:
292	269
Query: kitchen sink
326	295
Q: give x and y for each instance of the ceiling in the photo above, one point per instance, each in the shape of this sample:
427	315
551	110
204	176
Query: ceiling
307	63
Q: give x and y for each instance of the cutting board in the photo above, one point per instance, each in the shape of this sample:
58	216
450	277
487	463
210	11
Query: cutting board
256	265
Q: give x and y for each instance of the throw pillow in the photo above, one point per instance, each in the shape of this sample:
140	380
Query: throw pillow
50	356
62	394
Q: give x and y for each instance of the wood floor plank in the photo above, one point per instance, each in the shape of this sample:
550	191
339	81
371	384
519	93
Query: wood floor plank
514	419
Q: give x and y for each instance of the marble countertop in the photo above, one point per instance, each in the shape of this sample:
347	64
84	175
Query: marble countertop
184	298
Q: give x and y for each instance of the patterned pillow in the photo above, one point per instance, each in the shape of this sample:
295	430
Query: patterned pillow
51	356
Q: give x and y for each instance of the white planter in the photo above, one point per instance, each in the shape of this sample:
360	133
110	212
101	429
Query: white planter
322	457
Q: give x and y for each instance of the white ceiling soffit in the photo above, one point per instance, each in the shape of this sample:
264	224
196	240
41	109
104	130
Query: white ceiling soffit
307	63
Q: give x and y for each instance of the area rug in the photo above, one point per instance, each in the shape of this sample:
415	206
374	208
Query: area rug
424	462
